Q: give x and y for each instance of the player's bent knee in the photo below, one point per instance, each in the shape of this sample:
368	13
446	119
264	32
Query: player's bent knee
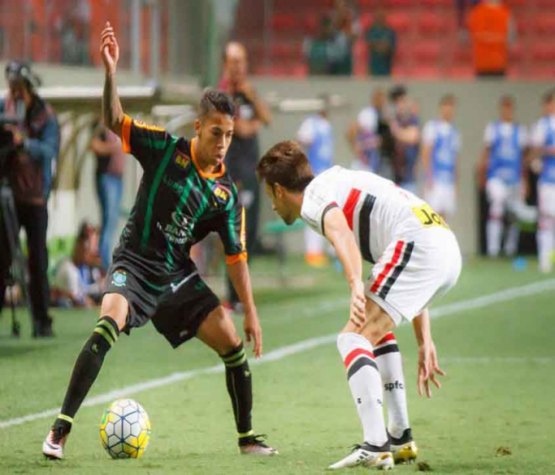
116	307
218	332
378	323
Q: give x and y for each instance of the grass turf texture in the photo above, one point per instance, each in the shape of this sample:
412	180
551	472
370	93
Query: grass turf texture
497	397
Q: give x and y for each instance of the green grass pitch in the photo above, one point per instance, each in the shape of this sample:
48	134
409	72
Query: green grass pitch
498	394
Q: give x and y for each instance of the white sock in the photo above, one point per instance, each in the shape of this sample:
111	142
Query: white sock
365	384
494	228
511	241
390	365
545	242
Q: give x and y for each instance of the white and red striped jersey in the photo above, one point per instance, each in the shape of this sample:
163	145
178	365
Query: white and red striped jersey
377	211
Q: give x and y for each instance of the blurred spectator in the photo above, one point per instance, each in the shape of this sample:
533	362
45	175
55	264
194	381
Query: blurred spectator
346	28
319	49
405	127
110	161
382	42
441	143
501	173
491	30
243	153
363	134
77	280
543	142
31	153
316	136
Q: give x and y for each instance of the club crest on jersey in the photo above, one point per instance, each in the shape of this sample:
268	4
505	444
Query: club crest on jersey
182	160
221	193
119	278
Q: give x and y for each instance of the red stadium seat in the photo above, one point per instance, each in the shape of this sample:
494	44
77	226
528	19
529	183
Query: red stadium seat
399	3
437	3
543	52
283	22
366	20
431	24
285	50
427	52
545	25
399	21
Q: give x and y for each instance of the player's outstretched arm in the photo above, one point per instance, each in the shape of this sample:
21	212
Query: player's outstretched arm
240	278
111	106
337	231
428	366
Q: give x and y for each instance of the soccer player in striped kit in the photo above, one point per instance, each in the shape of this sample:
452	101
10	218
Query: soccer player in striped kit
441	143
416	258
505	142
543	142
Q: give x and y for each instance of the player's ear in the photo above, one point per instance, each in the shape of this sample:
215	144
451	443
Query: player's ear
197	126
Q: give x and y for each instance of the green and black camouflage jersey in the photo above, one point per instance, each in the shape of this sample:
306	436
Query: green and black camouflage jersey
176	206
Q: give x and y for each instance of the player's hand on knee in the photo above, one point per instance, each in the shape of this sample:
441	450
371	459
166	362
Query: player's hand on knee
253	333
428	369
358	304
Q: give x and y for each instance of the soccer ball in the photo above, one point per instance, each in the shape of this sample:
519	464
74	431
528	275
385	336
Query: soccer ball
125	429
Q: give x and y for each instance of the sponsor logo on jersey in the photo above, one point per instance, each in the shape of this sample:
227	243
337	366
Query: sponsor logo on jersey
182	160
221	193
119	278
174	185
177	231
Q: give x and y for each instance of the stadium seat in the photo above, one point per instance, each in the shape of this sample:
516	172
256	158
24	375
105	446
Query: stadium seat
544	25
400	22
437	3
283	22
366	20
543	52
427	52
432	24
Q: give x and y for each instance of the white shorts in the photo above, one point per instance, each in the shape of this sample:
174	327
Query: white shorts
442	198
502	197
546	199
413	271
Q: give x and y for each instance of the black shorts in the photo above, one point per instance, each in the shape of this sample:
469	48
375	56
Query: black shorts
176	310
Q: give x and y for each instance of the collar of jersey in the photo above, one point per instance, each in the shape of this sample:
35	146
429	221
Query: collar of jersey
200	172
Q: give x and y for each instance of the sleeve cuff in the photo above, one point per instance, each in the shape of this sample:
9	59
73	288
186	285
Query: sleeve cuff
126	134
230	260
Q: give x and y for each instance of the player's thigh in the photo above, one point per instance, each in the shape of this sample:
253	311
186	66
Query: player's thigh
116	307
378	323
410	274
546	200
496	192
218	331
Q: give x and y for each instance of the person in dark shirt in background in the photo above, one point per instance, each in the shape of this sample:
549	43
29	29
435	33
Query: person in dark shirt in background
382	41
35	144
109	186
242	157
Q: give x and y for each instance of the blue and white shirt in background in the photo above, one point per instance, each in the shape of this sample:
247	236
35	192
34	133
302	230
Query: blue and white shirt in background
544	136
506	142
367	139
316	135
445	142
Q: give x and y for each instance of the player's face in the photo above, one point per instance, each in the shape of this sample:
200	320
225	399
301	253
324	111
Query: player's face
507	111
280	205
447	111
214	133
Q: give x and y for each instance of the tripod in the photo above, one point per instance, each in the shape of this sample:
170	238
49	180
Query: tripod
14	263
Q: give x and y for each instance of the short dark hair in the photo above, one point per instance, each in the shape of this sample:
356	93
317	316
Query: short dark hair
506	99
285	163
447	99
396	92
214	100
549	96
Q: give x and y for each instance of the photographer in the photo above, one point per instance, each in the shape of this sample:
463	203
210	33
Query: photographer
32	138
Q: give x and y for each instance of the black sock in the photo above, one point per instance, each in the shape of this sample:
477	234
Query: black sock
86	369
239	387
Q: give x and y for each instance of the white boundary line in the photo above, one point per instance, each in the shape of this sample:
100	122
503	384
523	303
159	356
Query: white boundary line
512	293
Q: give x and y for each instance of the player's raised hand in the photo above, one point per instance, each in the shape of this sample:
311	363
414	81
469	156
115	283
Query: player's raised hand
109	49
253	333
428	369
